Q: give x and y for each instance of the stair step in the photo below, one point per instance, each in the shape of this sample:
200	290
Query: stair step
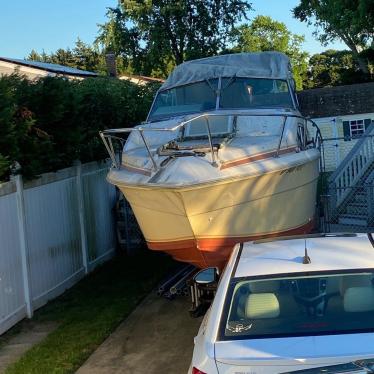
350	219
359	198
357	209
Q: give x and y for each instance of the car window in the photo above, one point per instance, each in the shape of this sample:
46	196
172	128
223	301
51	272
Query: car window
306	305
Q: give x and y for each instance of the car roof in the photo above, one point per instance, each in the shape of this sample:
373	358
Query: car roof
335	252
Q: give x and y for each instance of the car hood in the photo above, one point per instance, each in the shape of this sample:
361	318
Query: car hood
279	355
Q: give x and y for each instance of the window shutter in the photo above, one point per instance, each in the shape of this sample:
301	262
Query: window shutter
367	123
346	131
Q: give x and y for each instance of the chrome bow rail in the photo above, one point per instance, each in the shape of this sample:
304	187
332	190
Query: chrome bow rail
109	135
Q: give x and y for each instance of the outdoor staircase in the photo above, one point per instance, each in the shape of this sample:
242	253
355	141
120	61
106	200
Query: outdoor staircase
351	188
356	210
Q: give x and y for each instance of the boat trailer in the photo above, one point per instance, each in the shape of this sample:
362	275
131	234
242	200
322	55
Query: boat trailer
182	282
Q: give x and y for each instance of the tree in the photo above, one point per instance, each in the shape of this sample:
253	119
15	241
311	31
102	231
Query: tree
351	21
152	34
63	57
35	56
16	123
48	123
82	56
333	68
266	34
89	58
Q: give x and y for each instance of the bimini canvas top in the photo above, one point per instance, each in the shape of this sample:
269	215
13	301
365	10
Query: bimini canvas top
273	65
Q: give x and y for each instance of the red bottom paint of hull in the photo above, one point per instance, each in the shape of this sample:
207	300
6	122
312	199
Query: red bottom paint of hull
204	253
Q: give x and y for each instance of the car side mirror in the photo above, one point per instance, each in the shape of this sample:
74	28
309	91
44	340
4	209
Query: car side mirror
204	286
206	276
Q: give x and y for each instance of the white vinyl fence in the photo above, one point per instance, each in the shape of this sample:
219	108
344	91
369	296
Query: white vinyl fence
53	231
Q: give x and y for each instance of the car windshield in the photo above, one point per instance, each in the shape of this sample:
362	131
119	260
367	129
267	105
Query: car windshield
298	306
235	93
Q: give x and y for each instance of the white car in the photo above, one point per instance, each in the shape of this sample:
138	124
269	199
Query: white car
304	304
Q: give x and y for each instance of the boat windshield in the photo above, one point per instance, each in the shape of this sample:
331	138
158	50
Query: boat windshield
235	93
192	98
254	93
299	306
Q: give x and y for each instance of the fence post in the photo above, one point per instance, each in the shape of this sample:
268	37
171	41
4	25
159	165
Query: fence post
82	222
23	244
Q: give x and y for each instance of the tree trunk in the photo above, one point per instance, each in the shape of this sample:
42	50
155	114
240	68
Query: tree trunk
178	55
362	63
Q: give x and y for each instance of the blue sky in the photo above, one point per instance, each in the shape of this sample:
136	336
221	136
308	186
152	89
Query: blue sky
53	24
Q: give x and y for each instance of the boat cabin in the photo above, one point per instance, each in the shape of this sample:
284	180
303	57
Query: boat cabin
232	107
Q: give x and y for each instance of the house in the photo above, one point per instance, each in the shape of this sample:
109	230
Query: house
36	69
140	80
342	113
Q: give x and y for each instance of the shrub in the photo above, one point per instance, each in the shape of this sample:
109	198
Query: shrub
49	123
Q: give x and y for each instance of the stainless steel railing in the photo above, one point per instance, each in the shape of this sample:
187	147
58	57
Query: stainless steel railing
108	136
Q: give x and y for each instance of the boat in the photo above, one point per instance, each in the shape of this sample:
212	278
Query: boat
223	157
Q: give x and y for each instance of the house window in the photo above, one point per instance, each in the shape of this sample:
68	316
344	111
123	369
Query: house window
355	128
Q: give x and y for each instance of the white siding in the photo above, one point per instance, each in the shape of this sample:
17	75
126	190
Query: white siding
332	127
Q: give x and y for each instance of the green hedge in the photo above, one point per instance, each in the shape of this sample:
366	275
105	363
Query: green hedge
47	124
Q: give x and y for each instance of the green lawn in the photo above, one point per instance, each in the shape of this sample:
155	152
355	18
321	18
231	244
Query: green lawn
90	311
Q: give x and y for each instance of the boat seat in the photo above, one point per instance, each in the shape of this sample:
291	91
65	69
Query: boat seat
262	305
359	299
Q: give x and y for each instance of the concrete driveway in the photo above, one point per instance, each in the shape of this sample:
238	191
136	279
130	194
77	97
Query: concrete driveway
156	338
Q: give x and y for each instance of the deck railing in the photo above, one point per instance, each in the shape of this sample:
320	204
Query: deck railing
109	135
